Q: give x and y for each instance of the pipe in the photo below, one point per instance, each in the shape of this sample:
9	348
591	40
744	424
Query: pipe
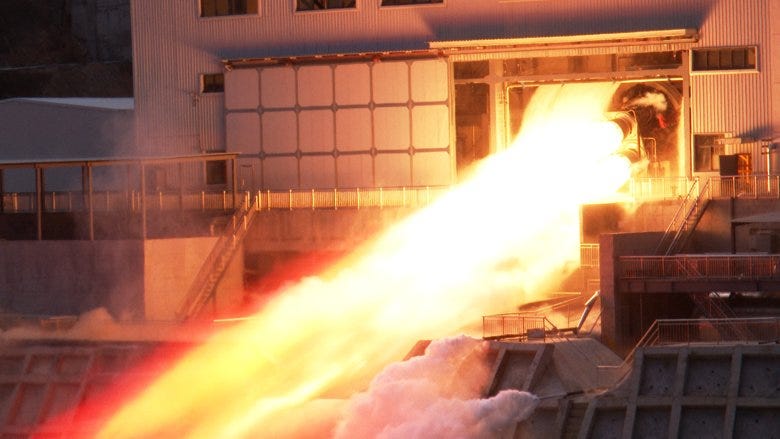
586	311
631	147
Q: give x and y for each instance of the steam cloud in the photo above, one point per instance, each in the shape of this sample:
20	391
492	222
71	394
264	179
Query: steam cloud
436	395
650	99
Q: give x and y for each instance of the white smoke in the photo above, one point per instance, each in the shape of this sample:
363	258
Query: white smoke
436	395
650	99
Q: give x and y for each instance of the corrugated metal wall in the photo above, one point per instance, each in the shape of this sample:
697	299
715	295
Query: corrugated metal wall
172	46
736	103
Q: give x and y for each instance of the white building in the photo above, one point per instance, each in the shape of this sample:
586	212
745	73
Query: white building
387	93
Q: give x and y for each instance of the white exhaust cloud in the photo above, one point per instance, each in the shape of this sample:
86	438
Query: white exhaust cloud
436	395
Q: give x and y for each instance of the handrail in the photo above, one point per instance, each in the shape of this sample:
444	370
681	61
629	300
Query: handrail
673	227
708	266
212	269
691	219
719	330
711	330
171	200
515	325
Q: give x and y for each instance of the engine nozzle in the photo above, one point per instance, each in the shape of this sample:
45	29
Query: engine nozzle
631	147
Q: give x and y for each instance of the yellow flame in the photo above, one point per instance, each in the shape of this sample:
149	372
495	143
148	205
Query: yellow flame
489	244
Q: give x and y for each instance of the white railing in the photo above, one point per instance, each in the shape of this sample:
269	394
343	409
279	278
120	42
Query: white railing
109	201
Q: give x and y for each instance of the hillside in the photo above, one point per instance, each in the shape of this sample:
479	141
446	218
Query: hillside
60	48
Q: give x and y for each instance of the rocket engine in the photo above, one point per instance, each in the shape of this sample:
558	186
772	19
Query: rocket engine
632	146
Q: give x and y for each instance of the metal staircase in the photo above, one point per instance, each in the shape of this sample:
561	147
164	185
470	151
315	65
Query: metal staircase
205	283
685	219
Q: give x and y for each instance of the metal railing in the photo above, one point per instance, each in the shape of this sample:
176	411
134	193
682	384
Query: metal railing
740	186
702	331
641	189
685	219
116	201
348	198
714	331
110	201
699	266
659	188
747	186
516	326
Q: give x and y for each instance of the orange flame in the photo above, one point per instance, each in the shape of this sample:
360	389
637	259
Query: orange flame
492	242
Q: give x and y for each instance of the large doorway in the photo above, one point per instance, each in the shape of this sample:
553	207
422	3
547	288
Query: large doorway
655	105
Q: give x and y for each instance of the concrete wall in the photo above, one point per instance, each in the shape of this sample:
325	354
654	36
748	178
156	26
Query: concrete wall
132	279
318	230
71	277
170	265
616	318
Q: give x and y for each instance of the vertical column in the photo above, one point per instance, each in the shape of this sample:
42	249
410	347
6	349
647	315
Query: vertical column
2	192
39	201
181	186
633	396
234	181
733	392
677	392
86	177
143	199
686	150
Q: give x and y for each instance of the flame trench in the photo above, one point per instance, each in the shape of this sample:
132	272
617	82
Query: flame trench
487	245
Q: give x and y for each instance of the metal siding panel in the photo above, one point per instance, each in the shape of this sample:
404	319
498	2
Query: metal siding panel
739	103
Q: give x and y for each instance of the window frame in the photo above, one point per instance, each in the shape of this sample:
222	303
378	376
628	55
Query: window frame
200	10
215	172
427	4
202	88
723	71
716	149
306	11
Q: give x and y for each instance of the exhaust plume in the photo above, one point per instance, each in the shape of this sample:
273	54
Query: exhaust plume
504	237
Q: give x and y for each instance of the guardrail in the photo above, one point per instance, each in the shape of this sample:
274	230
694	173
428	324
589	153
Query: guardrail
740	186
664	332
109	201
717	331
699	266
748	186
659	188
516	326
349	198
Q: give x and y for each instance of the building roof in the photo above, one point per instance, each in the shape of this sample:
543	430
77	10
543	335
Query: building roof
127	104
771	217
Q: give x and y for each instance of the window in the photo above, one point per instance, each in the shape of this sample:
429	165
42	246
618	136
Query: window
707	151
409	2
315	5
216	172
212	83
217	8
471	69
733	58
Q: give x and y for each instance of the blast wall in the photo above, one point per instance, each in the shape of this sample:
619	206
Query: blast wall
132	279
71	277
